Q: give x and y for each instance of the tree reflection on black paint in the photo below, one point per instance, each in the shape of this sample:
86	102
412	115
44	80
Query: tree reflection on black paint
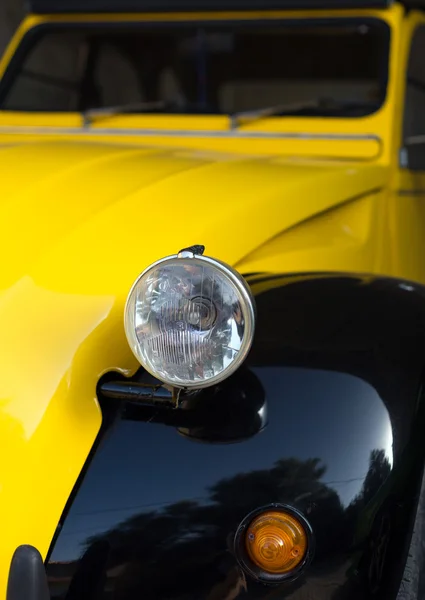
379	469
185	551
378	472
192	542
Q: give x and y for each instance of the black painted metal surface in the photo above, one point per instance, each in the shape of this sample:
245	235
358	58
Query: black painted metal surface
326	416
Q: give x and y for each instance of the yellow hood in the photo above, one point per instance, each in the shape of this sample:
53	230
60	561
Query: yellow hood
88	217
78	222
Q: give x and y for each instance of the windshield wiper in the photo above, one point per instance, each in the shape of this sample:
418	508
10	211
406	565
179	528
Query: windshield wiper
249	116
109	111
236	120
325	104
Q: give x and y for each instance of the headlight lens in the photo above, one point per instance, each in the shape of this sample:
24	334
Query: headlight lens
190	320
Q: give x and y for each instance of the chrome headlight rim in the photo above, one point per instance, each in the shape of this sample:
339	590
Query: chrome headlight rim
247	302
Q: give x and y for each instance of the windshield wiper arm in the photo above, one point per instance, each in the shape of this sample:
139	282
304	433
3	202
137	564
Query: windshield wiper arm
325	104
109	111
250	116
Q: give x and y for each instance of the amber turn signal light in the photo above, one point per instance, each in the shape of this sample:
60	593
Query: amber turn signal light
274	543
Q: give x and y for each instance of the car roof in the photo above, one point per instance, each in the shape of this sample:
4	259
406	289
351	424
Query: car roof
106	6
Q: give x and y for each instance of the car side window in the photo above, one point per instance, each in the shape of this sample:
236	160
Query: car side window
414	112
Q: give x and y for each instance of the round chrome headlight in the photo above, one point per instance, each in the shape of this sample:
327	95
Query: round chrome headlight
189	320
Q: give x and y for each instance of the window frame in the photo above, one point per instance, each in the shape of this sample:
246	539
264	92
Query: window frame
31	37
417	141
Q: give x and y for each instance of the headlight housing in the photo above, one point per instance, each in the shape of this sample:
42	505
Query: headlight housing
189	320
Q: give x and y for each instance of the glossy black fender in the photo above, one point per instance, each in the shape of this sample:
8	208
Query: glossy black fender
327	415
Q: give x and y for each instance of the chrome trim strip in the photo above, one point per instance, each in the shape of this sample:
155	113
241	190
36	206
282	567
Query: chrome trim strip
420	192
412	584
415	140
189	134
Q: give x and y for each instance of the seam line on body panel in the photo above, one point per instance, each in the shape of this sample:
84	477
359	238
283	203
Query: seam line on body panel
318	214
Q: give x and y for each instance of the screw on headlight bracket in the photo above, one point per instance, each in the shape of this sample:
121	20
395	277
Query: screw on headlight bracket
191	251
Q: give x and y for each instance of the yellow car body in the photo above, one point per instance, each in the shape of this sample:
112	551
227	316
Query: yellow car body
83	209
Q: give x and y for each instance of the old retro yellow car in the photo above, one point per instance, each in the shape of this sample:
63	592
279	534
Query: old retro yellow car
212	300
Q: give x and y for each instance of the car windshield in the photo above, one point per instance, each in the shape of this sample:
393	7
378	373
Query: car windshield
333	67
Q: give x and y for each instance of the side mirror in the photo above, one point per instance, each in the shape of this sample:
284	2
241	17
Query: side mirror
412	155
27	576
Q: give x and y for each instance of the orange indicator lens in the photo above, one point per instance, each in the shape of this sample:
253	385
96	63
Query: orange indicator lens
276	542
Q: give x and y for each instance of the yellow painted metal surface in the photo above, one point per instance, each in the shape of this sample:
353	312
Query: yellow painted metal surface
380	124
82	212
